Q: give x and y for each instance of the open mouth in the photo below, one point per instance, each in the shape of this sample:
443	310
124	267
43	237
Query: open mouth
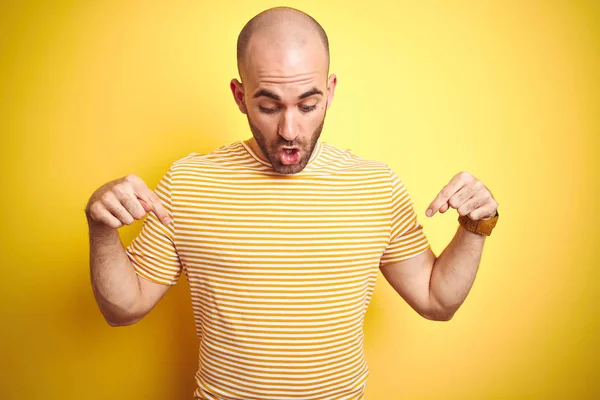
289	155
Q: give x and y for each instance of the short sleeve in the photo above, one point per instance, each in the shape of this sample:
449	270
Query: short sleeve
153	253
407	238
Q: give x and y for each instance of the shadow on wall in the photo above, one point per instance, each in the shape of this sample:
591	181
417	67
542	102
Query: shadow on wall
181	359
155	358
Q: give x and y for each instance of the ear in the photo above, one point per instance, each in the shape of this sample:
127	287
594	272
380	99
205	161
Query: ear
237	89
331	83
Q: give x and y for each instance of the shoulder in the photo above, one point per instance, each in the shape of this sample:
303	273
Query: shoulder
225	157
215	163
348	160
225	154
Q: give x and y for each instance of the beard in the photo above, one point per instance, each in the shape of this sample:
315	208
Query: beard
271	150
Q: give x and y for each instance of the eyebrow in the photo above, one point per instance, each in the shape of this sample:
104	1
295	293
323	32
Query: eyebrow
311	92
271	95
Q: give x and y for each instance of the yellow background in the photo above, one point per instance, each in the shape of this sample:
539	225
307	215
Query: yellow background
508	91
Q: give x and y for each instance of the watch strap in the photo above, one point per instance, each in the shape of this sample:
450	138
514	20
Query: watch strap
482	227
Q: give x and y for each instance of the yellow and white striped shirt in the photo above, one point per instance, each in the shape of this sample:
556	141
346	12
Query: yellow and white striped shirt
281	268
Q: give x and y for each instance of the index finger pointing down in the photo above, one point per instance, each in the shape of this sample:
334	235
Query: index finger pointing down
154	204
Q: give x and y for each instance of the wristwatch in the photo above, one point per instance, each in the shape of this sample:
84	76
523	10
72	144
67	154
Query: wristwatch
482	227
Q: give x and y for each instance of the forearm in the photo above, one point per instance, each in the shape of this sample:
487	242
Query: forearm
114	281
454	272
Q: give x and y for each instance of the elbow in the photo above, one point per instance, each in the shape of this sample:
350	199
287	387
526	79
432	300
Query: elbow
121	314
443	317
445	314
124	322
116	321
440	314
438	317
437	310
113	323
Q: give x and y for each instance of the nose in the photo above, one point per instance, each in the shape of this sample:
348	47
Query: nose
287	127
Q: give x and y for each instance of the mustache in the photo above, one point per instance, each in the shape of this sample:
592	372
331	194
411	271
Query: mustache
288	143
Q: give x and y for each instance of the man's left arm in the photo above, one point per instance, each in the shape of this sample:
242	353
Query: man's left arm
436	287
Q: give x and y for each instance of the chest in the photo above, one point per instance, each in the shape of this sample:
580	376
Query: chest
257	222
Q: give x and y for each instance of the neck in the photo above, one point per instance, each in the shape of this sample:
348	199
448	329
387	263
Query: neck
256	149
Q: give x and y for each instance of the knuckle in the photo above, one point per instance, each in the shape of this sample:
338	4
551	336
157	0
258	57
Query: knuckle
131	178
138	213
127	202
95	209
125	219
106	197
470	192
106	219
137	210
115	224
125	216
118	190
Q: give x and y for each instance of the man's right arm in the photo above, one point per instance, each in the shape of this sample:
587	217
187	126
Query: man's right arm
121	294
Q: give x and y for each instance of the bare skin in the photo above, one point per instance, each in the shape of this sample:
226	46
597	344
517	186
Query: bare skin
285	94
437	287
289	66
285	91
122	296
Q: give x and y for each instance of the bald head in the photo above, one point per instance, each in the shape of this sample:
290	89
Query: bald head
286	89
279	29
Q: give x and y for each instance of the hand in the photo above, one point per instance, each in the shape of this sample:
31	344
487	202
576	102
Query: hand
122	201
468	195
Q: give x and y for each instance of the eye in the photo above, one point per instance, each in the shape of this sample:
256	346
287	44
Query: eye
267	110
307	109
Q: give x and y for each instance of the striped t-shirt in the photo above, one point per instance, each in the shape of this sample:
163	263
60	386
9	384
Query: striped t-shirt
281	268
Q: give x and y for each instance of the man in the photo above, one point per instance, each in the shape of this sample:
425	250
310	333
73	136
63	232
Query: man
281	236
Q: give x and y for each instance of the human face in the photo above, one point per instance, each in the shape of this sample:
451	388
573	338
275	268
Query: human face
282	161
285	95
